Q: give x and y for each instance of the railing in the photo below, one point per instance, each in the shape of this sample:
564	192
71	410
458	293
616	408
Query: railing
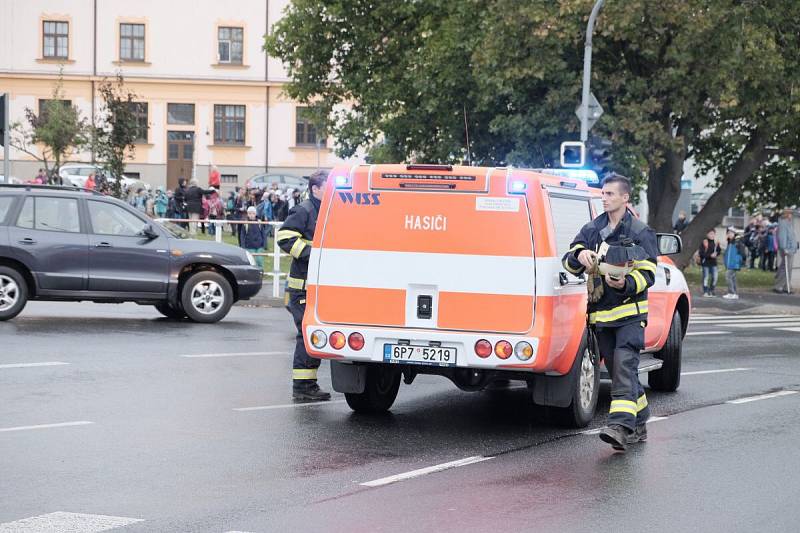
276	253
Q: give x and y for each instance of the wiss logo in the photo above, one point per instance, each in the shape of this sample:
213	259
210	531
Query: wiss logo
360	198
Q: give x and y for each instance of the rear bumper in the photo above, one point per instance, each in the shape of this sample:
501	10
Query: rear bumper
463	342
249	280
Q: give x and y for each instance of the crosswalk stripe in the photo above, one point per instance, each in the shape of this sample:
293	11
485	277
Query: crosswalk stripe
696	333
704	318
794	330
72	522
765	324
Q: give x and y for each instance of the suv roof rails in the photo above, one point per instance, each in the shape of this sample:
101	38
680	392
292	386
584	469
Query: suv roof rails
70	188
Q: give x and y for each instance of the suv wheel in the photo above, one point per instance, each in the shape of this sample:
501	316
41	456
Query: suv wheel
13	293
169	311
668	377
380	390
206	296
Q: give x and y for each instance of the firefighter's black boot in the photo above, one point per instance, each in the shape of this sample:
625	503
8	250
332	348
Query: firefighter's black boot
617	436
308	391
639	434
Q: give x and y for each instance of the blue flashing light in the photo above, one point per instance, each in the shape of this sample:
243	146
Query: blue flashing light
342	182
518	187
583	174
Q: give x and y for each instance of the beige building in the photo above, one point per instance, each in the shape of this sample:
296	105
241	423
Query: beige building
207	92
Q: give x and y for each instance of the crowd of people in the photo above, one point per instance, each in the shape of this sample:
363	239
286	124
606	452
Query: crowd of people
769	245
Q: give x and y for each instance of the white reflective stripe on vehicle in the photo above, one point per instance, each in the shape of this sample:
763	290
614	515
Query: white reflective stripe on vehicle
483	274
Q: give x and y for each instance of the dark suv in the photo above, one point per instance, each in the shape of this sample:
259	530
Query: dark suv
68	244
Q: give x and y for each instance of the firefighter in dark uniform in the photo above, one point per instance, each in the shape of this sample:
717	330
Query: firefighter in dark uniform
618	311
295	238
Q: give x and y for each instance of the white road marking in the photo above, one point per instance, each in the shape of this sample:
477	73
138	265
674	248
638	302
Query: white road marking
48	426
763	396
795	322
424	471
232	354
598	430
67	522
698	333
288	405
30	365
712	318
793	330
717	371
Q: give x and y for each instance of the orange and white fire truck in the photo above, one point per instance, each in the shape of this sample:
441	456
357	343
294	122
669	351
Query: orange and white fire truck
456	271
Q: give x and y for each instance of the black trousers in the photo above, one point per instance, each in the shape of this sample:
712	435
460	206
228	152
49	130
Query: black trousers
304	367
620	347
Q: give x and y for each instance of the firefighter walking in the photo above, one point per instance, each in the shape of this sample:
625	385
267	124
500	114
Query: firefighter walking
626	249
294	238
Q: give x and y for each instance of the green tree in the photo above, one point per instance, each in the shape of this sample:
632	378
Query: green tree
708	80
52	135
118	128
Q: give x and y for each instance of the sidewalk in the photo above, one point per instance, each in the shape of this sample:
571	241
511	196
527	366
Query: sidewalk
752	301
263	298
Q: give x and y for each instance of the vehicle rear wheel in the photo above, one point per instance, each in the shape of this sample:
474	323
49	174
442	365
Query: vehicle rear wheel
585	391
668	378
206	296
381	385
13	293
169	311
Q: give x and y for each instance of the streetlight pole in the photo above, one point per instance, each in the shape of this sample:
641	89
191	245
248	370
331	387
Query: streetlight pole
587	70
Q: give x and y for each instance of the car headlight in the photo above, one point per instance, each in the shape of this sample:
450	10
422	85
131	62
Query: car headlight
250	258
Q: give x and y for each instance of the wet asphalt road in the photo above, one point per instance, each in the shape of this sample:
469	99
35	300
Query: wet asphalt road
152	435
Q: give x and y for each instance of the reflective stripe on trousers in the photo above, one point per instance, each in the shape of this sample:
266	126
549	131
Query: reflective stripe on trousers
620	347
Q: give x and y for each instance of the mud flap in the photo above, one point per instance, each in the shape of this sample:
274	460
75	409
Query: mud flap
557	391
347	377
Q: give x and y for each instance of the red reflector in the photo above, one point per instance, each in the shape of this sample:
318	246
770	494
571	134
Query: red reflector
483	348
503	349
337	340
356	341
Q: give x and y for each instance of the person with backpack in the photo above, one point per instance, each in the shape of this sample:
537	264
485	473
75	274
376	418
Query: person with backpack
708	253
734	259
216	210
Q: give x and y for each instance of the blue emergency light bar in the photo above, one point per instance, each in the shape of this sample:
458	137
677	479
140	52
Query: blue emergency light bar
584	174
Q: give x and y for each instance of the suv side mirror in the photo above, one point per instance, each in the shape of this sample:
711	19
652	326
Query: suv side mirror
669	243
149	232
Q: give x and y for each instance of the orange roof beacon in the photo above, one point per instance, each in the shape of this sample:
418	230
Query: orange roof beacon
456	271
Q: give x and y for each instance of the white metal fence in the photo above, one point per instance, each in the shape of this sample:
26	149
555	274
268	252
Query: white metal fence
218	224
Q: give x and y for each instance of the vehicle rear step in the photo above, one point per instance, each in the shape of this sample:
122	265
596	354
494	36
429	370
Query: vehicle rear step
647	363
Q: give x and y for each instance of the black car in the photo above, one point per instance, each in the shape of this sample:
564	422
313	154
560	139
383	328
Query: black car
69	244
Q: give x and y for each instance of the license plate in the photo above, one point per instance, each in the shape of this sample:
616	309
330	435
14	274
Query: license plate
420	355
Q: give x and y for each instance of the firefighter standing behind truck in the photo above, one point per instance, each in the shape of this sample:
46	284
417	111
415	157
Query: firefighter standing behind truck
618	312
294	238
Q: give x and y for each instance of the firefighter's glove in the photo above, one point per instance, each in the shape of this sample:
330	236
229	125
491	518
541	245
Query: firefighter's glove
594	281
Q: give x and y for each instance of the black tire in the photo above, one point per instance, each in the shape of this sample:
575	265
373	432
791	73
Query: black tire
380	390
169	311
206	297
13	293
668	377
586	390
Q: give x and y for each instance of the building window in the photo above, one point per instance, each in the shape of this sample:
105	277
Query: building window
230	45
180	114
139	110
305	130
46	105
56	39
229	124
131	42
229	178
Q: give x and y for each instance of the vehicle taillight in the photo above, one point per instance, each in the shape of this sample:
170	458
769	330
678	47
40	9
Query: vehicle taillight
523	350
503	349
356	341
483	348
337	340
319	339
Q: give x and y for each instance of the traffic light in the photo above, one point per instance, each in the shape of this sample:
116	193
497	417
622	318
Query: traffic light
601	158
573	154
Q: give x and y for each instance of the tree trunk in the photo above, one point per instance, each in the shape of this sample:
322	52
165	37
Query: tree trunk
664	190
754	155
